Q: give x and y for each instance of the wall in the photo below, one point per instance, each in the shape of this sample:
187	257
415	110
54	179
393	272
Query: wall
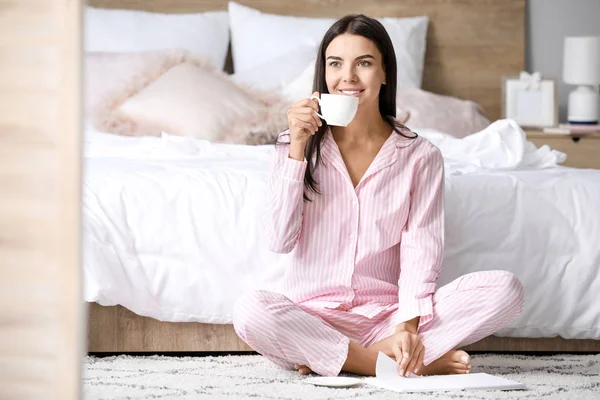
548	22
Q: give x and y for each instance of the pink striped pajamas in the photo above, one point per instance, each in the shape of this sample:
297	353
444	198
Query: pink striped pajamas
364	260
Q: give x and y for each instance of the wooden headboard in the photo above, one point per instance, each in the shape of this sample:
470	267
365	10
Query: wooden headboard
471	44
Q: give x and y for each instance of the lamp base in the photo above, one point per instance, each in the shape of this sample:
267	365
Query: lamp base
584	106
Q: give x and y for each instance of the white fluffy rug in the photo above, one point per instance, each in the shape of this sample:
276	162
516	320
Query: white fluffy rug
240	377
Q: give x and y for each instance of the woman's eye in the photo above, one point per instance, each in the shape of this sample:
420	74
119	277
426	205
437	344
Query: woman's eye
334	64
364	63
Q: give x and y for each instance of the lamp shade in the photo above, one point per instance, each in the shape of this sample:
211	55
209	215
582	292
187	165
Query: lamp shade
581	61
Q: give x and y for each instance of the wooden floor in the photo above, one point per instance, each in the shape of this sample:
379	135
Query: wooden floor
118	330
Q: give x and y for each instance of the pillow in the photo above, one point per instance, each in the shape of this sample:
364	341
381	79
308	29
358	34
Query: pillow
417	108
258	37
108	72
192	99
127	31
301	86
276	74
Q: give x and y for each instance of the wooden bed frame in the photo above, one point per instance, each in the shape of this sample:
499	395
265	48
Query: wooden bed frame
471	44
118	330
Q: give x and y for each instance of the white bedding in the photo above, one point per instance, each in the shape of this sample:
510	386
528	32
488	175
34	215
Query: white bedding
172	227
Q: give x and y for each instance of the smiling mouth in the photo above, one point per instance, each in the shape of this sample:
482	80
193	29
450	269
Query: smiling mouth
351	92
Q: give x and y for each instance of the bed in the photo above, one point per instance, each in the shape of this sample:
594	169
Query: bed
172	225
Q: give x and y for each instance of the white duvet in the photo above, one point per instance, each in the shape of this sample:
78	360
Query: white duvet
172	226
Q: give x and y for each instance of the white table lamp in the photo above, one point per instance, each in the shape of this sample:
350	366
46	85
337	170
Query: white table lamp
581	66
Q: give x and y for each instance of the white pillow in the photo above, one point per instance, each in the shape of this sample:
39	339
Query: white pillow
127	31
276	74
258	37
301	87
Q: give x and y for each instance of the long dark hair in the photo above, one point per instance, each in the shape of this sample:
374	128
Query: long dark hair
370	28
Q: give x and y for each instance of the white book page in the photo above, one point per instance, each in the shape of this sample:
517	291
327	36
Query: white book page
387	378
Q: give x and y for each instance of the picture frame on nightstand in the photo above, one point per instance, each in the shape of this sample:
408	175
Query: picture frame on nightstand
530	100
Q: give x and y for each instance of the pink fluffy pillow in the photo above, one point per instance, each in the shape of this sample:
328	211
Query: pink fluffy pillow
106	73
172	91
418	108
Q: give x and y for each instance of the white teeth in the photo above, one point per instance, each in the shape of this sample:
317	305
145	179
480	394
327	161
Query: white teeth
350	92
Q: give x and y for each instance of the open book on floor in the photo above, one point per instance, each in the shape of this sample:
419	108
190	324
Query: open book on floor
387	378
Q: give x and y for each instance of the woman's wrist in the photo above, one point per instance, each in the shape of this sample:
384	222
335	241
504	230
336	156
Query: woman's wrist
410	326
297	151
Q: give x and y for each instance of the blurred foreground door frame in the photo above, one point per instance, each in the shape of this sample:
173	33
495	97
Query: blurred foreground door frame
41	305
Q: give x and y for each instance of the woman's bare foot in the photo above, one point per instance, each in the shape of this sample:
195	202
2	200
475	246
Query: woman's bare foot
453	362
303	369
360	361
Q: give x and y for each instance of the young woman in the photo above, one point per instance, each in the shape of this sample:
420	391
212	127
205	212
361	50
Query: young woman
361	208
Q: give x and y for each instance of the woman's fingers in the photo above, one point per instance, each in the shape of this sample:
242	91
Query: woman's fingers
420	360
315	103
302	110
397	353
309	111
307	103
406	355
311	117
309	126
315	107
306	117
415	358
317	119
305	121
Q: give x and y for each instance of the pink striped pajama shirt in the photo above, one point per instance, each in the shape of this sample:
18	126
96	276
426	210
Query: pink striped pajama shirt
364	260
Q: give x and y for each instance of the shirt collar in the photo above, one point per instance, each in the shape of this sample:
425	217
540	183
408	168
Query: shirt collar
330	150
388	154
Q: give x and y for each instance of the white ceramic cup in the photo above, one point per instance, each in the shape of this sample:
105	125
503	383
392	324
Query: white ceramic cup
337	109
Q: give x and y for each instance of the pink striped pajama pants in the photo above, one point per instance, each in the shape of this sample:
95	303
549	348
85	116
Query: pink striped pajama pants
466	310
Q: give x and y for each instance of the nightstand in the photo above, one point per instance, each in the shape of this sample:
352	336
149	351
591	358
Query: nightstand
581	151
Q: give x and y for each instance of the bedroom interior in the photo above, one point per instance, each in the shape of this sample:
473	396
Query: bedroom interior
490	31
158	199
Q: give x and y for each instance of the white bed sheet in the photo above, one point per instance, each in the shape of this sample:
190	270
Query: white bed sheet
172	230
